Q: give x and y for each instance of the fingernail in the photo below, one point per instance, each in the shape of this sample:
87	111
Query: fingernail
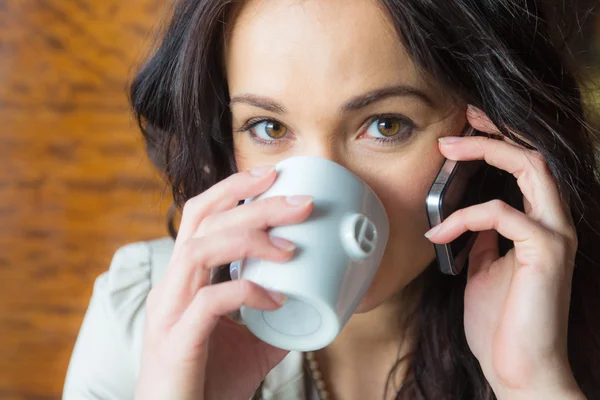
433	231
299	201
277	297
262	171
450	139
282	243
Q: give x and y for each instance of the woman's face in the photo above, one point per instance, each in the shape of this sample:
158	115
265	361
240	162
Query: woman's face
332	79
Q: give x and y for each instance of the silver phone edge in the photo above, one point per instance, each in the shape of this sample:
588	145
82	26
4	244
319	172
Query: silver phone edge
434	209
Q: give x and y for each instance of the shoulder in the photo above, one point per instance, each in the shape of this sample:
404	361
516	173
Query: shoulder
107	354
134	269
153	254
140	263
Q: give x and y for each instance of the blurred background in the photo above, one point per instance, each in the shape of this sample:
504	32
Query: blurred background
75	183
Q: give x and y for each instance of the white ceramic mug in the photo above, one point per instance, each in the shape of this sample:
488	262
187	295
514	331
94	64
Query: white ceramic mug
339	248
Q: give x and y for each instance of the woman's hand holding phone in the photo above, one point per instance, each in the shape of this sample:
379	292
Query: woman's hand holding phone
192	350
516	306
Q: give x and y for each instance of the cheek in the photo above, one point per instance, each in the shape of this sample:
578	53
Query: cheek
246	157
408	252
249	155
405	200
403	189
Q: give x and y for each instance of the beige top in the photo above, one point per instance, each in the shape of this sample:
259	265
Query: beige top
106	359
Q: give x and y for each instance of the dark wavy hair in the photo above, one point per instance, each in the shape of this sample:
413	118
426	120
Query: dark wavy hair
507	57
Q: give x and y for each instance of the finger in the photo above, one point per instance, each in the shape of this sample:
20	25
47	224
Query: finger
535	245
261	214
493	215
484	252
540	192
481	122
211	302
224	195
190	268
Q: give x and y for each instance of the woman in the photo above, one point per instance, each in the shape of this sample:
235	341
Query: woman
382	88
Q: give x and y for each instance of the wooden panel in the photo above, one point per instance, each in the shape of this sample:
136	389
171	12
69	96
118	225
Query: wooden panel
74	180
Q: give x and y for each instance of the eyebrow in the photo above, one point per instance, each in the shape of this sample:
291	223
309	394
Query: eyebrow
353	104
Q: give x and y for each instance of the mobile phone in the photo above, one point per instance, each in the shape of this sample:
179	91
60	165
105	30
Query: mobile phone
448	193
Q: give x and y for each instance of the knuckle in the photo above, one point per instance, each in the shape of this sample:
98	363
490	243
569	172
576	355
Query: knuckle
568	242
537	160
203	297
191	206
539	252
279	202
262	210
552	248
245	287
536	156
572	238
459	214
481	140
247	237
498	206
205	225
247	241
188	249
193	251
232	183
267	206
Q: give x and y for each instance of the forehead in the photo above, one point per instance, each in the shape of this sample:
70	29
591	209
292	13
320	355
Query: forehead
315	45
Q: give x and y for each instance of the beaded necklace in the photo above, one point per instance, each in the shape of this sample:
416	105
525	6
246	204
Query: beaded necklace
317	376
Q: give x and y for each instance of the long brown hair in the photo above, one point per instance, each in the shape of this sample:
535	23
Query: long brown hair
499	55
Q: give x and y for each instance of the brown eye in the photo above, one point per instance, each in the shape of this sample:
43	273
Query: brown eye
390	129
388	126
275	130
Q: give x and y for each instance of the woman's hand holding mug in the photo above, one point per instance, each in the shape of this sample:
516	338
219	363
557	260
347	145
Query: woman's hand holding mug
192	349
